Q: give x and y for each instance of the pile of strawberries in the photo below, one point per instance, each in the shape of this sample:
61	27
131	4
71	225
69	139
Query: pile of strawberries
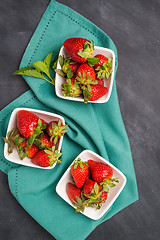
36	139
84	75
92	181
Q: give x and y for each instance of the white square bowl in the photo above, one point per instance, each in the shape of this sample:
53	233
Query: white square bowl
47	116
113	192
59	80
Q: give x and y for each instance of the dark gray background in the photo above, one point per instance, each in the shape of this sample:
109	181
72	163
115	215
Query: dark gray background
134	27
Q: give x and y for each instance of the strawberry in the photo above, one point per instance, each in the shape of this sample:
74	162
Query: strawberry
99	171
29	125
93	192
71	88
86	75
100	81
45	158
79	171
56	129
102	60
16	140
75	196
89	186
30	152
73	192
68	67
94	92
44	141
103	197
103	68
79	49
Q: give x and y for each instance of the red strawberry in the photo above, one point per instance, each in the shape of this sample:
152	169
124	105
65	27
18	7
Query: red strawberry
102	59
79	171
73	67
23	144
68	67
71	88
45	158
104	67
44	141
99	171
16	140
56	129
94	92
86	74
103	197
79	49
73	192
89	186
92	191
31	151
100	81
29	125
75	195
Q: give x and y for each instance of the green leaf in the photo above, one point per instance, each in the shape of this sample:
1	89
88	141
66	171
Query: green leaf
5	140
93	61
53	148
94	82
96	188
89	88
105	189
82	54
47	60
61	60
48	152
111	184
81	164
69	74
30	140
53	63
54	66
41	66
29	71
38	69
60	72
22	70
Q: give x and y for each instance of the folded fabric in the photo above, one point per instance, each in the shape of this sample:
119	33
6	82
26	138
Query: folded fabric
98	127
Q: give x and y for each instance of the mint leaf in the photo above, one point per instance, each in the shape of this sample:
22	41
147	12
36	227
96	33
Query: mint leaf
32	72
47	60
22	70
38	70
54	66
41	66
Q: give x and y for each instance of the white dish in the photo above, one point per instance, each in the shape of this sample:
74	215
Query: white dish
59	80
47	116
113	192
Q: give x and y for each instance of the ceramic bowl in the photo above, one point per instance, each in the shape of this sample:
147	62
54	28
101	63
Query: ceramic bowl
47	116
113	192
59	80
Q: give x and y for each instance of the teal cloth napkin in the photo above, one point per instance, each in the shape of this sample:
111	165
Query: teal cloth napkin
98	127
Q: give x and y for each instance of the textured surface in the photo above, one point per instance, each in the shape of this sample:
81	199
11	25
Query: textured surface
133	27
